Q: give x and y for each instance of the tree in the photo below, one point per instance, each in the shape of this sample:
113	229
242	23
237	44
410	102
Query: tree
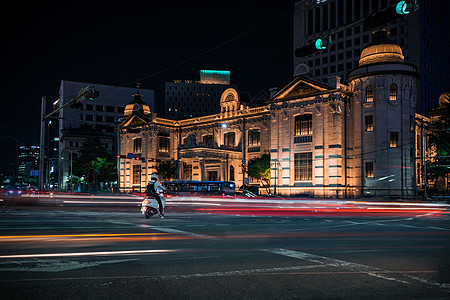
167	169
438	167
95	164
259	168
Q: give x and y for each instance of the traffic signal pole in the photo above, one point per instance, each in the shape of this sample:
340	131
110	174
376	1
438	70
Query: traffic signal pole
42	145
372	21
85	93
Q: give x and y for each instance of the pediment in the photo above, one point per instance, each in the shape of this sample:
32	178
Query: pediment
300	88
135	121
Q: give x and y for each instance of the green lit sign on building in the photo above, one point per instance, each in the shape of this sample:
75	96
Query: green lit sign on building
214	77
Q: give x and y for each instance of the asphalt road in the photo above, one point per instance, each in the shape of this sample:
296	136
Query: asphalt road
90	253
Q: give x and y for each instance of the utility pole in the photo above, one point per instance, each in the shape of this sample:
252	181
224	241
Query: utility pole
42	145
84	93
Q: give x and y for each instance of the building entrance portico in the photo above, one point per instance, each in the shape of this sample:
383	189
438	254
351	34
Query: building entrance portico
215	163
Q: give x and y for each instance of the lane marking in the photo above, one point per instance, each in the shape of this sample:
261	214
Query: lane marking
332	262
55	265
177	231
438	228
369	270
107	253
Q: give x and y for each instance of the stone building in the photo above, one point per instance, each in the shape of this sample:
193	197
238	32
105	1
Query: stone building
354	138
206	148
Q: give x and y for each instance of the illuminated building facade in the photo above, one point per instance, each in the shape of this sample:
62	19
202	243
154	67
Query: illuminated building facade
206	148
28	169
423	36
354	138
188	98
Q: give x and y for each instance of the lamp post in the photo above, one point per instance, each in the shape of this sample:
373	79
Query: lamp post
242	130
275	164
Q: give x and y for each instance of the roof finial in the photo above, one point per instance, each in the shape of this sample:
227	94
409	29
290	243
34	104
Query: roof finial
138	85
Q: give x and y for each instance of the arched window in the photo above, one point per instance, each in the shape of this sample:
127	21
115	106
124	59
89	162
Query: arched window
369	94
231	173
393	92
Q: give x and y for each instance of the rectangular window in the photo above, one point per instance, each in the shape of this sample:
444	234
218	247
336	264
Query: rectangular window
303	125
393	139
369	123
137	145
208	139
137	174
303	166
164	144
229	139
369	169
369	94
187	171
254	137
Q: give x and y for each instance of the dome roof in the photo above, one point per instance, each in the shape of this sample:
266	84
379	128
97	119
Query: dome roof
137	105
381	49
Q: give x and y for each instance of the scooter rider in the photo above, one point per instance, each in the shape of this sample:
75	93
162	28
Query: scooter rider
153	189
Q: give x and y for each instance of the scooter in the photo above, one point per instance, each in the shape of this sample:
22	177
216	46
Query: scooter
150	207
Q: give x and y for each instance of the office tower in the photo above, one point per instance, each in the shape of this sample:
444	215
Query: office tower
422	35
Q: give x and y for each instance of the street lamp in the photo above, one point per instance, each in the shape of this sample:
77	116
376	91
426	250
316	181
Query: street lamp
275	164
242	130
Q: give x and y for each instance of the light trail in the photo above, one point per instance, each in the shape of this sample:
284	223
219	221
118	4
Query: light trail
102	253
79	235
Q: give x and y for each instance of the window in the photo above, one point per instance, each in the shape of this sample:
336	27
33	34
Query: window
137	145
254	137
369	94
136	174
164	144
393	139
393	92
303	166
231	173
369	169
208	139
228	139
187	171
369	123
303	125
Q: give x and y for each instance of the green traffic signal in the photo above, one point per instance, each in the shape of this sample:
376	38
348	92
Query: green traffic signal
402	8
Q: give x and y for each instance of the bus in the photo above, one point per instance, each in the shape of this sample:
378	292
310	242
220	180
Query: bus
200	188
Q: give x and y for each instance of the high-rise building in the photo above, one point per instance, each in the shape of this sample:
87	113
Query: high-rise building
28	170
422	35
188	98
96	118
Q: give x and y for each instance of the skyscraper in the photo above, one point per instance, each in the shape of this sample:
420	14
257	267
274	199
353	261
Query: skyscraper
421	35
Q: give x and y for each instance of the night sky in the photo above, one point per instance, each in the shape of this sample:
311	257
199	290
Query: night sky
120	43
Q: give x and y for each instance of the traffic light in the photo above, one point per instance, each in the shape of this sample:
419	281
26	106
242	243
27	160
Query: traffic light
139	158
121	156
389	14
313	47
85	93
154	160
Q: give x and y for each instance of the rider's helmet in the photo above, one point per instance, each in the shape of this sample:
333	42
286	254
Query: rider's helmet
154	177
